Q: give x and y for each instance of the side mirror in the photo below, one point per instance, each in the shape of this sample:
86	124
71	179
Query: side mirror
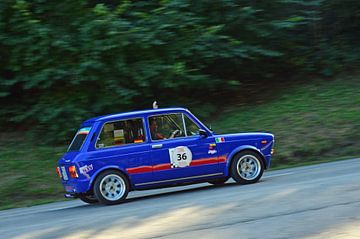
203	133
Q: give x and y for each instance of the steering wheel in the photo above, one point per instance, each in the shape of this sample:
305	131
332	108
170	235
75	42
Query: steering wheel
175	133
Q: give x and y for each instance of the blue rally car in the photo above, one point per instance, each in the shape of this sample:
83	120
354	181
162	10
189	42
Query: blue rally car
114	154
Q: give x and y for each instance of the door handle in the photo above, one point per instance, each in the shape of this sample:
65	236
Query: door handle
156	146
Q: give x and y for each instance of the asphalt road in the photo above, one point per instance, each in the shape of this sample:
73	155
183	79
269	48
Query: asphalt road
321	201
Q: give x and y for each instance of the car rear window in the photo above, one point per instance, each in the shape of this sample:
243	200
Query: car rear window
121	132
79	139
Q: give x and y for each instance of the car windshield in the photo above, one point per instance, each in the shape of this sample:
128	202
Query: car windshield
79	139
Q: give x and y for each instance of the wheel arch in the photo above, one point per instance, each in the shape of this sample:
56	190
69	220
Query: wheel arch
108	168
240	149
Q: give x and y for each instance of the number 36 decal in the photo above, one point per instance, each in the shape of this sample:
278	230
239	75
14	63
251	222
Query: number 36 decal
180	157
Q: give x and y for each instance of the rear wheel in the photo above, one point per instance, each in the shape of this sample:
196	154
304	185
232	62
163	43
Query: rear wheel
91	199
247	167
111	187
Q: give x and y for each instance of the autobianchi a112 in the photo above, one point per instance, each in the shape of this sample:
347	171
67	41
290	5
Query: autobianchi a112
114	154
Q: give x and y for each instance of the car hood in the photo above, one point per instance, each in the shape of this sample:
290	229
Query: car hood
253	135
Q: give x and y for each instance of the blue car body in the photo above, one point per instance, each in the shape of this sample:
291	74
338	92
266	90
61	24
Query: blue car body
146	165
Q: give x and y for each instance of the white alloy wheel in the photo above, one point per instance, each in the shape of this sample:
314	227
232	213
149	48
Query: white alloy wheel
111	187
248	167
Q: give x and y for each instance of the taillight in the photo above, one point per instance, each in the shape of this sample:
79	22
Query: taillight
58	172
72	172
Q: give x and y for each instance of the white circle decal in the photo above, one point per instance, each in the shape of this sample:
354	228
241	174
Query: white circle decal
180	157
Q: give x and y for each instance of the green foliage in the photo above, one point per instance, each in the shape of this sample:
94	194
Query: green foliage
314	122
65	61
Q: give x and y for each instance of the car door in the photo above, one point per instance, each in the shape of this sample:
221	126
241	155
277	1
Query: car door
122	143
182	153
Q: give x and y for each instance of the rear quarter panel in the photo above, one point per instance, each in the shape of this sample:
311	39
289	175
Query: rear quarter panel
123	158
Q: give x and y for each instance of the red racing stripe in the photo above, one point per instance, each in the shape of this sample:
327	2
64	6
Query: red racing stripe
166	166
222	159
141	169
163	166
203	161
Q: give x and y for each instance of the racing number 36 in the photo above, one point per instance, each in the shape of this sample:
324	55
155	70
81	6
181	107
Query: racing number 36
181	156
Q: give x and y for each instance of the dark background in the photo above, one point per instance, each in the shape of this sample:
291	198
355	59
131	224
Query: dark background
62	62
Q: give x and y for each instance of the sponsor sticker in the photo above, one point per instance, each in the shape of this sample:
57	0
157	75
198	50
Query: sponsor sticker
220	140
180	157
85	130
212	146
212	151
118	133
84	170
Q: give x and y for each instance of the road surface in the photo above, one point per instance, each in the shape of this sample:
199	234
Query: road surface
321	201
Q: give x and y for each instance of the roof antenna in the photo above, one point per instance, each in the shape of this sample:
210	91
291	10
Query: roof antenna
155	105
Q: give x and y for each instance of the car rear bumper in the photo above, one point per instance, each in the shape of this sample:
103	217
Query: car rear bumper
76	186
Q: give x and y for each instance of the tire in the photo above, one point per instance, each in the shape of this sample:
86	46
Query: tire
247	167
218	181
91	199
111	187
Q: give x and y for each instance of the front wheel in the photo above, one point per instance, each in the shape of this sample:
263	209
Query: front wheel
247	167
111	187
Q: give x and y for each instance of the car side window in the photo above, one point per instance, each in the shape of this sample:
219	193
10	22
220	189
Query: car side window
166	126
191	127
121	132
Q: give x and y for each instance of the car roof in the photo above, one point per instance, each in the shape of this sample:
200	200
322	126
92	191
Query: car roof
139	113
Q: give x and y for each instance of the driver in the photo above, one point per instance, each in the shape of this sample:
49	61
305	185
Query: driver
156	135
153	130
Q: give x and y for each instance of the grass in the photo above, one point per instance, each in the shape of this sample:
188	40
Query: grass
316	122
27	174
